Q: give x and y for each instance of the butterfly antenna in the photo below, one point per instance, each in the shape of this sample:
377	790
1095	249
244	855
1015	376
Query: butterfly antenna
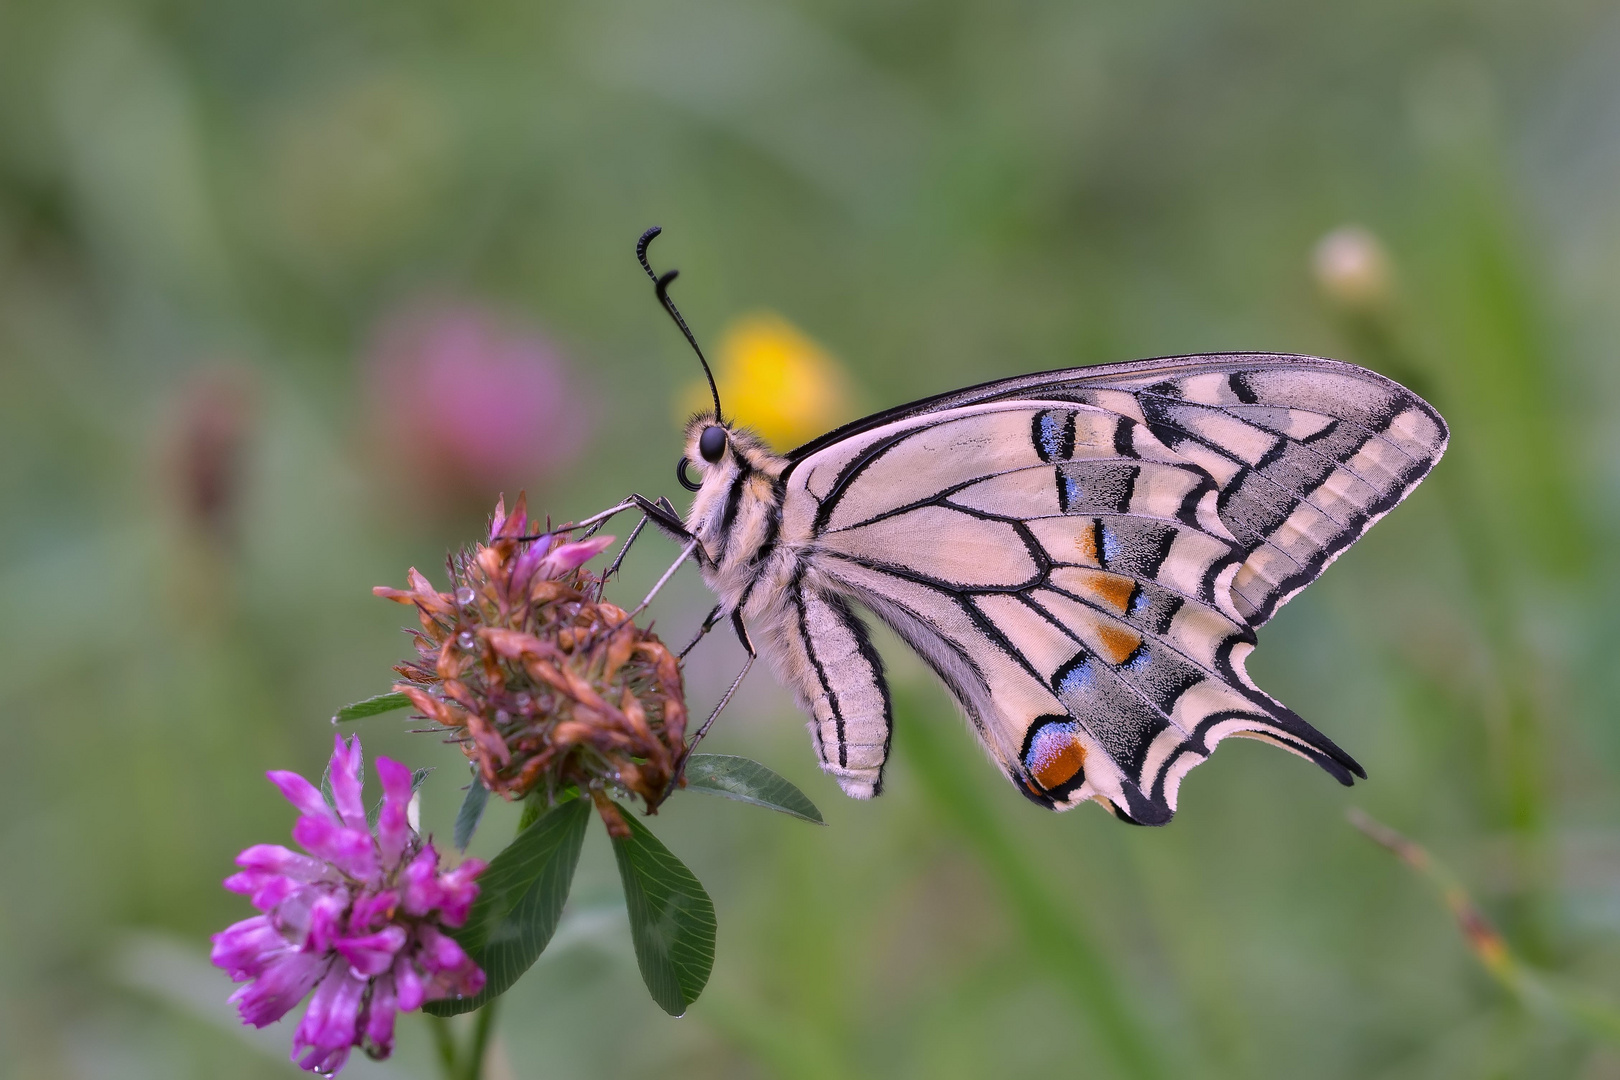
661	287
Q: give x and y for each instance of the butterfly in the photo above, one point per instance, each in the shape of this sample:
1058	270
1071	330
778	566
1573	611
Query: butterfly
1082	556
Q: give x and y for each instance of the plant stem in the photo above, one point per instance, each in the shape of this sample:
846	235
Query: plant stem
1493	582
446	1043
480	1041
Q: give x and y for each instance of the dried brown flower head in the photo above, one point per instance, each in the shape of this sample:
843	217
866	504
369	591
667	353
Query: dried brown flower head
542	681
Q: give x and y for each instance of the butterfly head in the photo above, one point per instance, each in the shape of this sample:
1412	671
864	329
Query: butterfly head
720	453
733	475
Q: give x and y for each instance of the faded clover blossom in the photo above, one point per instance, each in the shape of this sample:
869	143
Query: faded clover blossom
542	682
359	920
462	400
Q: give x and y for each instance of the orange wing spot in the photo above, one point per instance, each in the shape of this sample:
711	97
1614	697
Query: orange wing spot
1085	542
1060	760
1110	590
1118	642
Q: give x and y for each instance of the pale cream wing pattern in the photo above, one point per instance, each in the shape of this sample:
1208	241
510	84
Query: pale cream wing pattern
1083	556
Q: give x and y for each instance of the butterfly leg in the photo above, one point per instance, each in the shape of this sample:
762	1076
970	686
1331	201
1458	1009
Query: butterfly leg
596	521
725	699
659	511
618	560
686	553
709	623
662	514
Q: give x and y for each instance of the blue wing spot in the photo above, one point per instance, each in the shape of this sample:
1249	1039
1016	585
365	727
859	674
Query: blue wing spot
1054	756
1049	435
1076	678
1073	494
1052	432
1112	549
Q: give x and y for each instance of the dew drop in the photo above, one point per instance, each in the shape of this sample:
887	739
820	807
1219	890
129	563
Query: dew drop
466	640
464	595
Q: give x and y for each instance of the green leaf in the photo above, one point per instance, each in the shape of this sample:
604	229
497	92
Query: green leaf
539	801
746	780
671	919
372	706
471	812
520	899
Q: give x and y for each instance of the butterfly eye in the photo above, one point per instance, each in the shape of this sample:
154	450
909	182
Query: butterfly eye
712	443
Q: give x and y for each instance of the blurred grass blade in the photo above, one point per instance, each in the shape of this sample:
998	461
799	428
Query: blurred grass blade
520	899
671	918
1594	1014
1054	930
371	706
746	780
471	813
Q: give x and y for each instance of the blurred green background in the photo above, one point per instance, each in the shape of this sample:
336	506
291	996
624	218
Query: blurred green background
288	291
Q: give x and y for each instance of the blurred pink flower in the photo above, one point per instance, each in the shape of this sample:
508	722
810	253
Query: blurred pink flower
359	920
467	403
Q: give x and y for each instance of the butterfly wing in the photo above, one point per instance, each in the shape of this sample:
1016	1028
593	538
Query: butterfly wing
1306	453
1074	567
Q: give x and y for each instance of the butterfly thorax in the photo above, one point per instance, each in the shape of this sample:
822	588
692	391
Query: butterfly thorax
736	512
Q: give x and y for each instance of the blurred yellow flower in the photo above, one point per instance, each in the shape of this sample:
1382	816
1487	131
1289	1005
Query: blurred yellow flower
776	380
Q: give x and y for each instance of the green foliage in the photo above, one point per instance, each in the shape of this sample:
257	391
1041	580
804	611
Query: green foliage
471	813
372	706
746	780
671	919
520	899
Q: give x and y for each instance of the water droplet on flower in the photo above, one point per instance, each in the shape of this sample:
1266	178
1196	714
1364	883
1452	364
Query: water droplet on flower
524	701
465	595
502	716
466	640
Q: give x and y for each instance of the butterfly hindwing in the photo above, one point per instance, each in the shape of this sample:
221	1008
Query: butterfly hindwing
1069	576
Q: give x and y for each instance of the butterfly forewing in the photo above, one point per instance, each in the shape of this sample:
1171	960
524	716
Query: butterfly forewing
1306	453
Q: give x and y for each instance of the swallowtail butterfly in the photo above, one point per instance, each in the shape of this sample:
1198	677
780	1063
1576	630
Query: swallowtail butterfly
1083	556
